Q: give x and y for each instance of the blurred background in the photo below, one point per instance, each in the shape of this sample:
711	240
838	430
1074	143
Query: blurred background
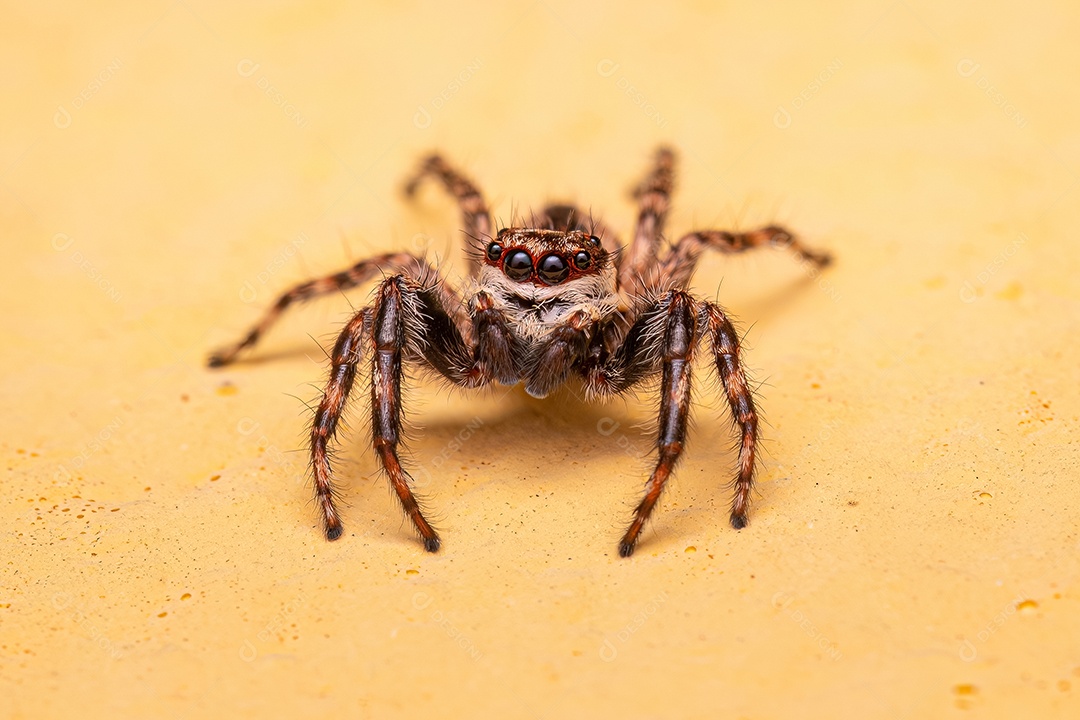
168	168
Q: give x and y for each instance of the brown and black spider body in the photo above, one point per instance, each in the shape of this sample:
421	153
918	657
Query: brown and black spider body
555	297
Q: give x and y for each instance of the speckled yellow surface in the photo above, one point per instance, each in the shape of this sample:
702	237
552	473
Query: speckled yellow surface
166	169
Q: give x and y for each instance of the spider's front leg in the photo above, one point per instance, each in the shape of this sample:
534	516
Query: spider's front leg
409	321
396	314
388	324
676	317
348	351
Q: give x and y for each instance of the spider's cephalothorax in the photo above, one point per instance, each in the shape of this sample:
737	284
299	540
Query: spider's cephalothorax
546	284
547	299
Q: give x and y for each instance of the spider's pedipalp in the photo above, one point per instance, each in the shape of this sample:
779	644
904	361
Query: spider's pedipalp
565	346
498	350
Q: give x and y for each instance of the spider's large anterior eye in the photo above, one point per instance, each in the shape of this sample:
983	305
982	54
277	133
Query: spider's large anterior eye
518	265
553	269
494	252
582	260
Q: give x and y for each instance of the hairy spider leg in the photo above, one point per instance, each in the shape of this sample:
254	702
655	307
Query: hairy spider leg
726	355
653	195
474	211
393	314
679	340
679	265
408	323
358	274
348	352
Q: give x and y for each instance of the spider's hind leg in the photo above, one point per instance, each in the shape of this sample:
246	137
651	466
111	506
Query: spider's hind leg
679	265
653	195
474	211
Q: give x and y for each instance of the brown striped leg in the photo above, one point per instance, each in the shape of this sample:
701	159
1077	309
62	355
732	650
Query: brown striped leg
445	349
358	274
396	309
679	341
679	265
654	198
348	351
725	345
474	211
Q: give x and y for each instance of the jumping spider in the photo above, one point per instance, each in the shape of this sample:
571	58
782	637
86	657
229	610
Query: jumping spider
554	296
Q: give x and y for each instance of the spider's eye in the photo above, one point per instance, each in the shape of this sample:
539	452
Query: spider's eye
594	240
553	269
582	260
494	252
518	265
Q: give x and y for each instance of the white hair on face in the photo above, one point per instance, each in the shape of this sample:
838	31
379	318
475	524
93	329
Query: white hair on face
534	309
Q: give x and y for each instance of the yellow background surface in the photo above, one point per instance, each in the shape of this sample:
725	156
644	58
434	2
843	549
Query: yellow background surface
167	168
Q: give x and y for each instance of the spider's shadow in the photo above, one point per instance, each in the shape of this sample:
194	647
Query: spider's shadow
497	418
506	420
760	307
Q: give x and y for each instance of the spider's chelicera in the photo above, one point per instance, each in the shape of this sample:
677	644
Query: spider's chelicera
554	297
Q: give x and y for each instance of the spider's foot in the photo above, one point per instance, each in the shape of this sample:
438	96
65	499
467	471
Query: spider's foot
431	544
629	540
333	532
224	356
739	520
